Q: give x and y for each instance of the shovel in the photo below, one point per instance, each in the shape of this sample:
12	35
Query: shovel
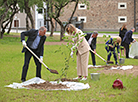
52	71
108	62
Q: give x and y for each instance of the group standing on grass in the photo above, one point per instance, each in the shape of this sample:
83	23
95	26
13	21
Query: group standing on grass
82	44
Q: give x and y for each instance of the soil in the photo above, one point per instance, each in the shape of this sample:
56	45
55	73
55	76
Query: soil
106	70
65	79
48	86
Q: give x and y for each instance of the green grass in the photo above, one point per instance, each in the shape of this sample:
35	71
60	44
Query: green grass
11	62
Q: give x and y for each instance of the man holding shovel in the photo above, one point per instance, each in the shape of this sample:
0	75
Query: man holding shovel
91	38
35	41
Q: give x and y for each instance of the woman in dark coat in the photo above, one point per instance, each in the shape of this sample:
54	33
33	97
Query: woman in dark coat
122	32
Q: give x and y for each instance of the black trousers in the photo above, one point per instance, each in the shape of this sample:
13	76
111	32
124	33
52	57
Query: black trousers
93	58
28	56
127	49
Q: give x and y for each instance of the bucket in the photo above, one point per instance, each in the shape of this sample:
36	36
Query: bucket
121	60
95	76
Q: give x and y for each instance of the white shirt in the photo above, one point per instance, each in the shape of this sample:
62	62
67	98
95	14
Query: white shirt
90	40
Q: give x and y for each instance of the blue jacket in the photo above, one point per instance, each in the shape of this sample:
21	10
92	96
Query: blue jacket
111	42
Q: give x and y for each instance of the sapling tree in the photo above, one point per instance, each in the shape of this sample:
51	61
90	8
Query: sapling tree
68	47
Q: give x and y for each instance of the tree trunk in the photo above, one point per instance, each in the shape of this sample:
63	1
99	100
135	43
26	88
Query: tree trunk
62	32
2	16
52	27
28	12
10	26
2	32
27	23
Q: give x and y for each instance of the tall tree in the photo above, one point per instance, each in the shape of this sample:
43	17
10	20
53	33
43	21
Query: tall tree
8	9
58	9
28	6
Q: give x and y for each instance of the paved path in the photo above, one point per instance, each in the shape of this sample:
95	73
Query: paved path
99	35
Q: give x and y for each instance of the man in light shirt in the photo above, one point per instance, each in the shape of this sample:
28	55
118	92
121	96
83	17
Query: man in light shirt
35	41
91	38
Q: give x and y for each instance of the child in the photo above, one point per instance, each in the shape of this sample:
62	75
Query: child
110	48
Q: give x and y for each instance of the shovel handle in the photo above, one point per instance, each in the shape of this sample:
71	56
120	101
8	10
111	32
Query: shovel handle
37	57
98	56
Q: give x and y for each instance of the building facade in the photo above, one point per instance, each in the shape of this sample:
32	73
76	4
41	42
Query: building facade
102	15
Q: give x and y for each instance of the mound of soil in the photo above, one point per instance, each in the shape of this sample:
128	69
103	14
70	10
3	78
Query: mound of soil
65	79
106	70
46	86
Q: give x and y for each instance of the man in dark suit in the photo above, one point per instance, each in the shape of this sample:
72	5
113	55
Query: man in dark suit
35	41
127	39
91	38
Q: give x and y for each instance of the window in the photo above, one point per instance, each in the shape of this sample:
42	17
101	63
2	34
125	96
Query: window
16	23
122	5
122	19
81	6
82	19
40	11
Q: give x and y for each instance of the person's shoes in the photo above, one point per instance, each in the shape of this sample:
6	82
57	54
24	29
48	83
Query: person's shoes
77	78
23	80
117	64
83	79
94	65
127	57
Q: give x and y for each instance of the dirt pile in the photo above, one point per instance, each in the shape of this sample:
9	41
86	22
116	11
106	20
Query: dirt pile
106	70
46	86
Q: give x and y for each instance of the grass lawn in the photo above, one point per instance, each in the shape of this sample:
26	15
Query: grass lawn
11	62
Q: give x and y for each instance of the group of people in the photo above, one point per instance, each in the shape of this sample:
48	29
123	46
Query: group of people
82	45
126	37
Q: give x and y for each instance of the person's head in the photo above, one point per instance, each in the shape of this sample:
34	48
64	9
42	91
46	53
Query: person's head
42	31
70	29
132	29
118	40
94	34
124	26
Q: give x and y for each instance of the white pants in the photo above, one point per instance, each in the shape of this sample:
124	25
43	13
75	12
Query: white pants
82	64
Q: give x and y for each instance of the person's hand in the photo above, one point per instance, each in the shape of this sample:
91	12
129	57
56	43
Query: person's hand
94	51
134	40
73	47
71	54
111	46
24	43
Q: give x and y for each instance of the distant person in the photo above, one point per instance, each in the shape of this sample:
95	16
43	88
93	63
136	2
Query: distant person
82	48
35	41
122	32
110	46
127	39
91	38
